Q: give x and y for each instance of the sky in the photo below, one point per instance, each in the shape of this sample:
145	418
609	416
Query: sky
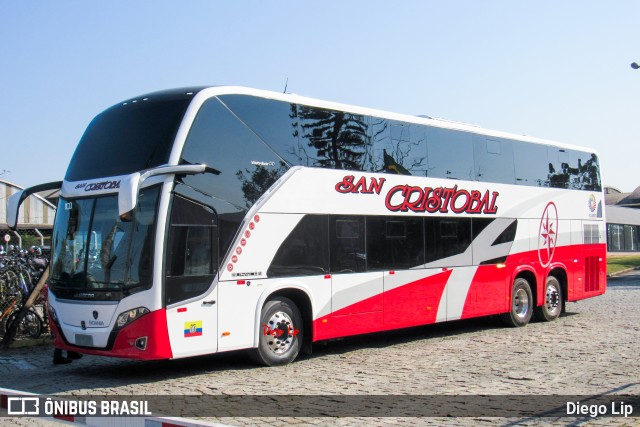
549	69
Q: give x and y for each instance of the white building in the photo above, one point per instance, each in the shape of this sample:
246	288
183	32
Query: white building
35	217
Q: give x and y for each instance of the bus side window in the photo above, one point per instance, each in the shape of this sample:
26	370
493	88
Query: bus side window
441	144
531	164
347	244
493	159
447	238
333	139
191	250
394	243
305	251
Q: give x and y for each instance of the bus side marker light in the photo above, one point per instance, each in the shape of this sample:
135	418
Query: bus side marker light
392	272
327	276
325	321
501	265
240	282
182	309
226	334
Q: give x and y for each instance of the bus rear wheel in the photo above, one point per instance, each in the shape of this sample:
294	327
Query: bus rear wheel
553	303
280	333
521	304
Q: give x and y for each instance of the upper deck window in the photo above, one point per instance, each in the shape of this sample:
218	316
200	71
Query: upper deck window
128	137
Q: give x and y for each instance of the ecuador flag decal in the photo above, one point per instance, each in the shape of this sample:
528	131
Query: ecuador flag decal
193	328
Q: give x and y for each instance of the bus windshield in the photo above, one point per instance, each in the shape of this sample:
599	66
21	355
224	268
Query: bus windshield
136	136
94	249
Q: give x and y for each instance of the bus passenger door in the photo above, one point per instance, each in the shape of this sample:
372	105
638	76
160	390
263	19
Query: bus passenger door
190	269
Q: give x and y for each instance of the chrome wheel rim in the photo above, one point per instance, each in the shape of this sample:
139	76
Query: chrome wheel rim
552	299
521	303
280	332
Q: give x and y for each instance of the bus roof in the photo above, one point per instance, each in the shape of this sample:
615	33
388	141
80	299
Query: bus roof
209	91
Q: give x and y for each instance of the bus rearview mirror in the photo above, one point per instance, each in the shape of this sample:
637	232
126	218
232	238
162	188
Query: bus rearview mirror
130	186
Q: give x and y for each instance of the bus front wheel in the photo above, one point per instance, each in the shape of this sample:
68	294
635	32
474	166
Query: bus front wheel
521	304
280	333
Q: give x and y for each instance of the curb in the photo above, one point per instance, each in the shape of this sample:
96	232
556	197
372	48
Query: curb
29	342
626	270
95	421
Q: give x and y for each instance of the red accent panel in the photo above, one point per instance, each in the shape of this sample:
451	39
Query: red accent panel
491	287
152	325
415	303
403	306
488	293
360	318
345	325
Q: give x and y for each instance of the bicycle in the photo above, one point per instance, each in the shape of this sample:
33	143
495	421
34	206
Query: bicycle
30	325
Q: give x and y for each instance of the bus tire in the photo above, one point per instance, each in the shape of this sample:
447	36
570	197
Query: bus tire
521	304
553	303
281	333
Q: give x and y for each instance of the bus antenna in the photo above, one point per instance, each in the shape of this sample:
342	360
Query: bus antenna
285	85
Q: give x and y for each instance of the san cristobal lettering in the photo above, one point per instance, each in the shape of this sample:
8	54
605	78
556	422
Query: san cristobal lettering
404	198
104	185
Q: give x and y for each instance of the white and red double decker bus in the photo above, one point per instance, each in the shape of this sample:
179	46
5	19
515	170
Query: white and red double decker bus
212	219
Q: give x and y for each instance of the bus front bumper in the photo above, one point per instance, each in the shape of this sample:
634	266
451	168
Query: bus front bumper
146	338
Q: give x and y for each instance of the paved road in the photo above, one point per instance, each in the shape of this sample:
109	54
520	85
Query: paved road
591	350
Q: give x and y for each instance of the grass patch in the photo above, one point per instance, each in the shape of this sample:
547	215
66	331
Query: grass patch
616	264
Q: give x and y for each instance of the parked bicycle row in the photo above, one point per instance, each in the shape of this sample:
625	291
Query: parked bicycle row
20	271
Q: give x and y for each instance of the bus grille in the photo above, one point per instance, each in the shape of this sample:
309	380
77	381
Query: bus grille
592	274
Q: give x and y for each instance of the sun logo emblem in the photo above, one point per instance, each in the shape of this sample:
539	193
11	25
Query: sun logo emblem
548	234
592	203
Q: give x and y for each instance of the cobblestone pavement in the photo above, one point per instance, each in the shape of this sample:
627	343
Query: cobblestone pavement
591	350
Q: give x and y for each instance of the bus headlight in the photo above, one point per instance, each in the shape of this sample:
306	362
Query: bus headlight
52	313
129	316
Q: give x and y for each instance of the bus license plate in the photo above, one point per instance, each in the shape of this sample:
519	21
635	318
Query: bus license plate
84	340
